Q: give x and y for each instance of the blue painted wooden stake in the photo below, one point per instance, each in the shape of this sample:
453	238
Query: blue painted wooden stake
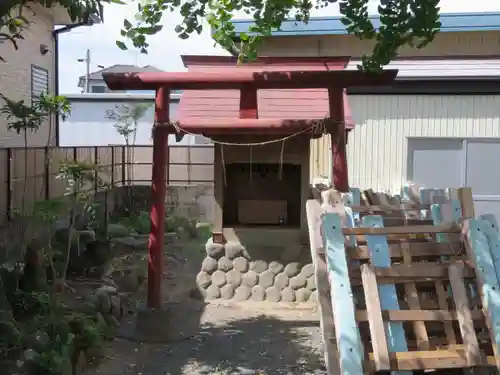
351	352
483	244
405	193
425	198
353	198
380	257
437	219
493	236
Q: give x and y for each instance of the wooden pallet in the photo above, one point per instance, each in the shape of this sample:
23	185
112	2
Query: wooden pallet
426	301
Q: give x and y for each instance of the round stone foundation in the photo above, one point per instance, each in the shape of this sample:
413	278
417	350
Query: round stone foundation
263	273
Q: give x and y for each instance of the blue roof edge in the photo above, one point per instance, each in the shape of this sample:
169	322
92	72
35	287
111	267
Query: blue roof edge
450	22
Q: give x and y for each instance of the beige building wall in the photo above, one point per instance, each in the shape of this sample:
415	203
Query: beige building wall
15	75
479	43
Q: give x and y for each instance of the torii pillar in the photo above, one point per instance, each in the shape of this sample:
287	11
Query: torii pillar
338	139
158	194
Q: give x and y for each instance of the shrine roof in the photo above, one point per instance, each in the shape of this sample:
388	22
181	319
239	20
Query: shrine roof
300	104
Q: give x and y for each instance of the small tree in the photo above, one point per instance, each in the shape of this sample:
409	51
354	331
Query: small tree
81	179
127	119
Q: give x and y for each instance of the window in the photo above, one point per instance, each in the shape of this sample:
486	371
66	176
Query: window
256	195
39	82
98	89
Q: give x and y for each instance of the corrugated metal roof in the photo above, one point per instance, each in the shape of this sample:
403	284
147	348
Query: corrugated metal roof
450	22
118	68
279	104
442	68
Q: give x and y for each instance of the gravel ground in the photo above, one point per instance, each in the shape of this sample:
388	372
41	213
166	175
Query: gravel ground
244	339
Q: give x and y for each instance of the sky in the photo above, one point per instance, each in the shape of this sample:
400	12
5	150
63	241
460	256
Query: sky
165	47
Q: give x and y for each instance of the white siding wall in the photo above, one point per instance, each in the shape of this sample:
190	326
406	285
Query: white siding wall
377	148
88	126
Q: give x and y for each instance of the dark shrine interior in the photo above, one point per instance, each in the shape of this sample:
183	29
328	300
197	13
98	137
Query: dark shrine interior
258	195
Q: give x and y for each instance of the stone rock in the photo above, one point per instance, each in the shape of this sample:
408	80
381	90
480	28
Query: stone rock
273	294
250	279
302	295
311	283
242	293
314	296
233	249
225	264
128	243
218	278
298	282
203	279
240	264
209	265
307	270
214	250
233	277
227	291
129	280
116	307
276	267
266	279
104	303
106	289
281	281
258	266
258	293
117	230
292	269
288	295
212	292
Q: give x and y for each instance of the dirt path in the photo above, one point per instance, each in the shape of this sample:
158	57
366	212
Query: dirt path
246	339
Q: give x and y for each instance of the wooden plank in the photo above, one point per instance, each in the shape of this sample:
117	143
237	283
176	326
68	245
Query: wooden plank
314	212
414	304
423	271
465	322
350	348
439	215
416	249
423	229
376	324
371	197
388	297
434	359
418	315
389	208
478	246
467	202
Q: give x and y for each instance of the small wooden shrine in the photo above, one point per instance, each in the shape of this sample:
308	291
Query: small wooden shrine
282	202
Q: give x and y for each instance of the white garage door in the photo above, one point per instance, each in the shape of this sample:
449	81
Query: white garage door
443	163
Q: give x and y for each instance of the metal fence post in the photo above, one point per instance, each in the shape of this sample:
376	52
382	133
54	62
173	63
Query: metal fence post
46	174
113	169
96	165
123	165
8	197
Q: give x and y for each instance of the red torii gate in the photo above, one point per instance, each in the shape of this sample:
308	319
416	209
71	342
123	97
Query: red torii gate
248	123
